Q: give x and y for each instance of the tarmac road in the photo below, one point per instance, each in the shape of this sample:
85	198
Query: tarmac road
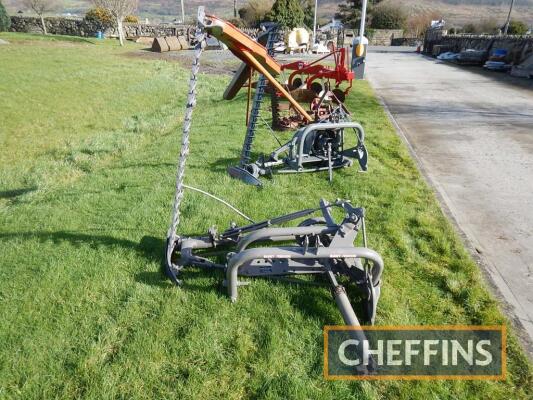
471	132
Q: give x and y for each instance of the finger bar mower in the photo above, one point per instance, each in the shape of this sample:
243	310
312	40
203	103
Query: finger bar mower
317	245
315	147
319	144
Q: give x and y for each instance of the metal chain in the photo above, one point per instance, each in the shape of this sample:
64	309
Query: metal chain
184	152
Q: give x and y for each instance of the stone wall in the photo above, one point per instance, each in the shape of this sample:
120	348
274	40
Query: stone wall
55	26
433	37
518	47
406	41
137	30
383	37
82	27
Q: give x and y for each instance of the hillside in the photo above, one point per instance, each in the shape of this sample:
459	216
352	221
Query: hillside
459	12
455	12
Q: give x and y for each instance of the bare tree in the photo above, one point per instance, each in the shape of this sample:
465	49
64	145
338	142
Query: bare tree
417	24
120	9
40	7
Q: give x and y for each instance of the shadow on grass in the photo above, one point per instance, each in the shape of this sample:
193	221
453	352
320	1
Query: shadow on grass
157	279
318	302
311	299
145	165
9	194
49	37
149	247
222	164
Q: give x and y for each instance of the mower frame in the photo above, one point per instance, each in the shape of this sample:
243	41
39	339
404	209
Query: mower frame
317	246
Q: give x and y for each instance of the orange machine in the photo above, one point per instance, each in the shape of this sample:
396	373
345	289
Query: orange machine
252	53
319	144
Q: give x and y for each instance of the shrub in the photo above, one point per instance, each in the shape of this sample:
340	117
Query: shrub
469	28
417	24
488	26
349	11
238	22
485	26
287	13
308	6
100	16
389	17
517	28
5	21
254	12
131	19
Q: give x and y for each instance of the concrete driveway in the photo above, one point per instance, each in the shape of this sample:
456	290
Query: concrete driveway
472	134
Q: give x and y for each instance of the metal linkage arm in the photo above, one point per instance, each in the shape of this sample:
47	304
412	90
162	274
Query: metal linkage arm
266	253
273	221
283	234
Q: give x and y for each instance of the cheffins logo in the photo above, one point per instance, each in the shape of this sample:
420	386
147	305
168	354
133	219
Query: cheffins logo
415	352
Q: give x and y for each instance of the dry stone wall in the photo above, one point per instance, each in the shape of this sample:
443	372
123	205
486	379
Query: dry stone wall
85	28
518	47
384	37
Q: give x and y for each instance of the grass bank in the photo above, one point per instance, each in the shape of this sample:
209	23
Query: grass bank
89	140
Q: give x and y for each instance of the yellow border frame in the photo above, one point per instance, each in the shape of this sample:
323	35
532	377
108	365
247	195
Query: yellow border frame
501	328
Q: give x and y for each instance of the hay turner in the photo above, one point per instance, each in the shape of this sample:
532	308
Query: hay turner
317	245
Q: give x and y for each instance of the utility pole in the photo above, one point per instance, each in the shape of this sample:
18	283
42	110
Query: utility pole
182	13
506	28
314	23
234	8
362	25
359	46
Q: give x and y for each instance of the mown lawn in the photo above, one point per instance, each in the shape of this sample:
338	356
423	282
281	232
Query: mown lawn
89	140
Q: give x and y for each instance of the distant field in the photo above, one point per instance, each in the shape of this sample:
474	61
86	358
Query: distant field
89	140
456	12
459	12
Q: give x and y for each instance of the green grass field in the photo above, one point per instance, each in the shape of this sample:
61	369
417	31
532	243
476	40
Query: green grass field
89	140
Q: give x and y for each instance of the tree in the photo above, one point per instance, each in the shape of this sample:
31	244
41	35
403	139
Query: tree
309	12
469	27
388	17
488	26
517	28
239	23
419	23
350	11
287	13
485	26
5	21
254	12
40	7
131	19
119	9
101	17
